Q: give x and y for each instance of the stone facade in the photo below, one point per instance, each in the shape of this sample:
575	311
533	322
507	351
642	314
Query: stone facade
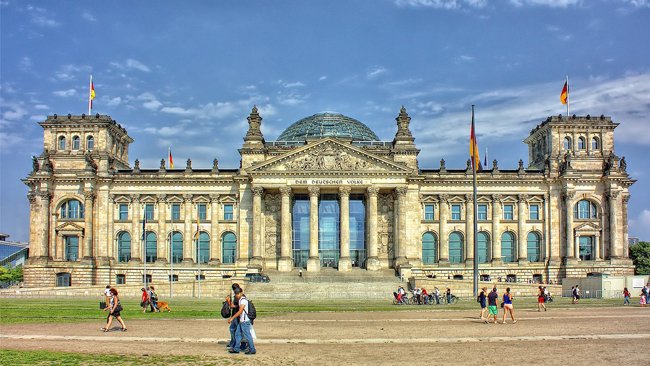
564	215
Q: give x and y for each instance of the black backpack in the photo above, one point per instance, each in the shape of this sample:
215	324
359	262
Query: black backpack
225	310
252	313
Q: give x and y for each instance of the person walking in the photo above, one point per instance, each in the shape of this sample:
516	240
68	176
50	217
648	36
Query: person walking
482	299
245	325
508	307
642	300
493	302
436	294
233	326
577	294
144	302
626	297
153	299
541	299
114	309
448	296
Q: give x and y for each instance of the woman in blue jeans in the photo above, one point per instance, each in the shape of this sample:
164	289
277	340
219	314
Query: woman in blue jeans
245	325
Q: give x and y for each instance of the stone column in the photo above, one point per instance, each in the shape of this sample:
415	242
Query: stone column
597	247
570	249
443	256
345	263
43	218
89	198
285	264
469	230
313	263
136	250
615	244
521	234
496	236
187	229
576	247
401	226
215	240
372	263
162	252
257	226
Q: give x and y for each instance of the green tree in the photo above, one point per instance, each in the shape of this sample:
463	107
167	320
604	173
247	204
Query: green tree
640	255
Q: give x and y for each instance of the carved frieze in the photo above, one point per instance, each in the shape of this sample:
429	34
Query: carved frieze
328	157
385	225
272	228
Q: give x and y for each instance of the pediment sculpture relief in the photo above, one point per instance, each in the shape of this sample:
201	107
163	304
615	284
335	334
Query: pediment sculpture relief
326	157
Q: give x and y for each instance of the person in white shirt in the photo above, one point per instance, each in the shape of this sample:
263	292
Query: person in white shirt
245	324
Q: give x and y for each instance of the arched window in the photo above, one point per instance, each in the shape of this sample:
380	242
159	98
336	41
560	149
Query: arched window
151	242
581	143
455	247
585	209
90	143
203	249
534	247
483	246
123	247
429	247
72	210
508	246
75	142
567	143
595	143
61	142
177	247
229	247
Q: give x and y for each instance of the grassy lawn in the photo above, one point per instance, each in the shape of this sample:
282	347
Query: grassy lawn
42	358
68	310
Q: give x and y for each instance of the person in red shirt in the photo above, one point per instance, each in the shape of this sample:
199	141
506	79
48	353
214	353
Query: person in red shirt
425	296
145	300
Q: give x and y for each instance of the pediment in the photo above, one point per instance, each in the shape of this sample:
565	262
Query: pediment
329	155
69	226
588	227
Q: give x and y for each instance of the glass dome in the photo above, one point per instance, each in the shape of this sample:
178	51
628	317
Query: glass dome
328	124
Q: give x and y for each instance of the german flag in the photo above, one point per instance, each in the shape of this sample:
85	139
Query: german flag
564	96
473	146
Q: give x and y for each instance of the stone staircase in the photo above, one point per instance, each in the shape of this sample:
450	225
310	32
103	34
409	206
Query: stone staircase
326	284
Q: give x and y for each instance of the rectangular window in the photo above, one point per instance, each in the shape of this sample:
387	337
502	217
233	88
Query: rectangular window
228	212
428	212
124	211
148	211
63	280
176	211
202	208
508	212
71	247
482	212
455	212
534	212
120	279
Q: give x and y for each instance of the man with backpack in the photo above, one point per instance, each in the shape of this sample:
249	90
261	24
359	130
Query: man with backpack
245	315
233	305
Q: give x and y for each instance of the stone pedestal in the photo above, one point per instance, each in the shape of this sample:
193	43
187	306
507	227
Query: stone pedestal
405	271
256	262
345	264
313	264
285	264
373	264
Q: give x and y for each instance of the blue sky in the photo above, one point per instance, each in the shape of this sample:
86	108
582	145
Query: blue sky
187	75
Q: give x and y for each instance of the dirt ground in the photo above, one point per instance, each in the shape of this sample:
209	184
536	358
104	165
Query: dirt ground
580	336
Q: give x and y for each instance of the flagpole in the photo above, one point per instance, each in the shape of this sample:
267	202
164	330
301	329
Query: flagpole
474	168
171	264
198	256
144	247
568	97
90	100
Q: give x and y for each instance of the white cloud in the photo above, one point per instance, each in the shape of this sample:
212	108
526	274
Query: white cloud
65	93
638	3
38	117
292	98
150	101
131	64
88	16
112	102
640	226
295	84
466	58
41	106
375	71
443	4
549	3
12	111
41	18
322	78
71	72
25	64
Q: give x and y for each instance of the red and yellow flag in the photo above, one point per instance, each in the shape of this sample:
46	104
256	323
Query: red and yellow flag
473	146
171	159
91	95
564	96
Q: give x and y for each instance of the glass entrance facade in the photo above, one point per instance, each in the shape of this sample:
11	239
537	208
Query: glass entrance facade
329	233
358	230
300	225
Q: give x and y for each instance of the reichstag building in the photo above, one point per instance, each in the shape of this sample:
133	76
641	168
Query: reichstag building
327	193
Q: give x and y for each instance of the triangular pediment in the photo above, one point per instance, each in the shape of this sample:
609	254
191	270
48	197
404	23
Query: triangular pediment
329	155
588	227
69	226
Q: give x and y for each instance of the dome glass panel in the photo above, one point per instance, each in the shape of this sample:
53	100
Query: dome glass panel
328	124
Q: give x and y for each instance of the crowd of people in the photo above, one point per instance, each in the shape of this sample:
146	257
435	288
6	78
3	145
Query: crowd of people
422	297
